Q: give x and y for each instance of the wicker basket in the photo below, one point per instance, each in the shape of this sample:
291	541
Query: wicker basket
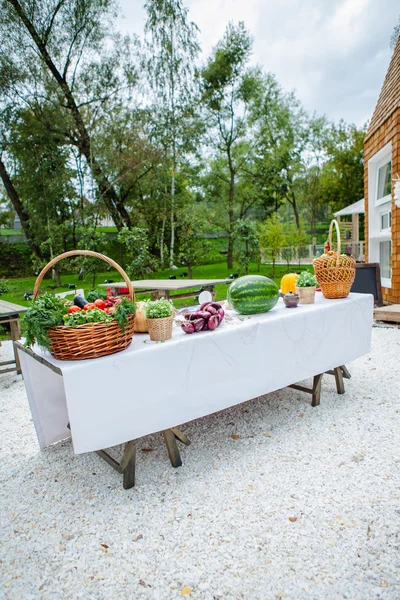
160	330
335	274
90	340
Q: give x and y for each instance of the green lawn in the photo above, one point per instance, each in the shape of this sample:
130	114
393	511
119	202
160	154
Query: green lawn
10	232
19	286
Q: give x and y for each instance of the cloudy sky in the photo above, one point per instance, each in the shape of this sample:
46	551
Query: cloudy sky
334	53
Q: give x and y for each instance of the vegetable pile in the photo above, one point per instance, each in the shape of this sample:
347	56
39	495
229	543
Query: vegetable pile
209	316
49	311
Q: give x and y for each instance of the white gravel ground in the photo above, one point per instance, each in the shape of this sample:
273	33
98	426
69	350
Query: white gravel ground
303	504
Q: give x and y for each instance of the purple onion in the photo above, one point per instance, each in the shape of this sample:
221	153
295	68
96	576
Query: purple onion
213	322
202	307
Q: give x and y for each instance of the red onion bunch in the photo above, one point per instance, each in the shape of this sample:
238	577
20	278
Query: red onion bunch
209	316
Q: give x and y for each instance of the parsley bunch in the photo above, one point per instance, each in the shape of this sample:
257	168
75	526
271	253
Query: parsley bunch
121	314
46	312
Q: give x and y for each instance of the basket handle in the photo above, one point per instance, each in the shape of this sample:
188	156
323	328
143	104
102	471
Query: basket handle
339	242
83	253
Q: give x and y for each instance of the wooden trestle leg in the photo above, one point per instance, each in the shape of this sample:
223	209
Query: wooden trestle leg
315	391
127	465
340	373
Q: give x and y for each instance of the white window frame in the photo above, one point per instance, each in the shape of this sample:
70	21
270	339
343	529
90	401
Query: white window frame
376	208
381	163
385	281
387	211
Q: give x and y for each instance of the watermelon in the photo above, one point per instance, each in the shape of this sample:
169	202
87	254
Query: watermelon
252	294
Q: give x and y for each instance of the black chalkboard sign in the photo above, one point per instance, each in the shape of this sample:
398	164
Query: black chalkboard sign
368	281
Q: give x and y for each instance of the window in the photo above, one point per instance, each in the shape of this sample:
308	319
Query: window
386	220
385	262
384	181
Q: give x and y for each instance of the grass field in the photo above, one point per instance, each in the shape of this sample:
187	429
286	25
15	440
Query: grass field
20	286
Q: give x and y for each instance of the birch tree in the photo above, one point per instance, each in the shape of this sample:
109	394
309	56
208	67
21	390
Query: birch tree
171	51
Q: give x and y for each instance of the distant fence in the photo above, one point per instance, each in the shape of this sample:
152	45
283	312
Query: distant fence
306	254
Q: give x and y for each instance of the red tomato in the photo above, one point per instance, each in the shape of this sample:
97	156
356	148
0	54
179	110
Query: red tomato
100	303
74	308
109	310
89	306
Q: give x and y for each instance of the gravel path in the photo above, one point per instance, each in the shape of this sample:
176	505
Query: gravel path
275	500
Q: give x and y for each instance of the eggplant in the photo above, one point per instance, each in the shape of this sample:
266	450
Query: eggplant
79	301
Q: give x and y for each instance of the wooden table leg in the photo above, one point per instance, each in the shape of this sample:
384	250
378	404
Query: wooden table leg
340	373
339	380
179	435
345	372
128	465
16	335
316	390
172	447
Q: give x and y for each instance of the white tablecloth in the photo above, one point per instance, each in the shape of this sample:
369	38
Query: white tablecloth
154	386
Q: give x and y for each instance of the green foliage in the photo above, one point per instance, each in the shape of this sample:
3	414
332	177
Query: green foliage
140	261
90	239
272	238
45	312
306	279
193	248
4	286
96	294
122	313
15	259
247	243
342	174
158	309
80	146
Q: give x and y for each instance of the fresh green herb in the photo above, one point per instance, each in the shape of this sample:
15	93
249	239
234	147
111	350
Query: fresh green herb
306	279
158	309
95	315
95	294
122	313
47	311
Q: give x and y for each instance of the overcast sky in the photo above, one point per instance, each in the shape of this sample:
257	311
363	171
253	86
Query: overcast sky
334	53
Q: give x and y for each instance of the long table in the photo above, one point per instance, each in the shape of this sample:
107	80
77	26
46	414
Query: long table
152	386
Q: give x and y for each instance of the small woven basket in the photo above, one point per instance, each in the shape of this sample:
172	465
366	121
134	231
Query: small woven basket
335	275
160	330
90	340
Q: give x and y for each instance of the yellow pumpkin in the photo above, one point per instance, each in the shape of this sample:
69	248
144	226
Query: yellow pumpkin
288	283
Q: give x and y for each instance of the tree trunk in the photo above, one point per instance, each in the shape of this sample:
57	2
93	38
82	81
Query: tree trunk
109	196
230	213
19	209
293	203
190	271
172	217
162	243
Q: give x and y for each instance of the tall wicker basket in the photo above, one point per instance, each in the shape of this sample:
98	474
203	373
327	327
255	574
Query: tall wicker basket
90	340
335	274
